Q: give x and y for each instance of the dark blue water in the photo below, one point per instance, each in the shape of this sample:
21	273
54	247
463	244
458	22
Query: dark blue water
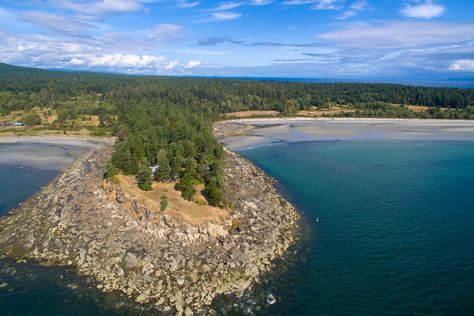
396	227
32	289
395	234
19	182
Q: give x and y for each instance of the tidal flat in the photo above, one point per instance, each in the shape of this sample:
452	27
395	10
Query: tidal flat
50	153
250	133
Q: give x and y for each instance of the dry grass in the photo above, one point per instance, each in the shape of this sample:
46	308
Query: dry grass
418	108
17	116
334	110
197	212
314	112
246	114
89	120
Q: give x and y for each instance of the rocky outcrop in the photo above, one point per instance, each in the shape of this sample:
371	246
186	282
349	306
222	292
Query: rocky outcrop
82	220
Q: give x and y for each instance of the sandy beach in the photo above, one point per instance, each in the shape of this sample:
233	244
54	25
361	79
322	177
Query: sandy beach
43	152
261	132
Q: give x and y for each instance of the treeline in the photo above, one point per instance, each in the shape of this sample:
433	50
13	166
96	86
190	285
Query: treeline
176	140
387	110
166	121
221	95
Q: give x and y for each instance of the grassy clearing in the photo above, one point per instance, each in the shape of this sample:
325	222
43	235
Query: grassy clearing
195	212
83	125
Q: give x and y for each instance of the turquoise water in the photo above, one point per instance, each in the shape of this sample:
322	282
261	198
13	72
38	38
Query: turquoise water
395	234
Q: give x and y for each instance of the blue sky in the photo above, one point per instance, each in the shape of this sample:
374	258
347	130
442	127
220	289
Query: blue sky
280	38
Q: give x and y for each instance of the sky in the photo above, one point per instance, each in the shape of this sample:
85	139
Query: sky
257	38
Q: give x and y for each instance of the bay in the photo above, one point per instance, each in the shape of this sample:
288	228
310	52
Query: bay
391	226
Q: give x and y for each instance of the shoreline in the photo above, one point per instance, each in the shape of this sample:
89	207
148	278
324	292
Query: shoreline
95	227
54	153
244	134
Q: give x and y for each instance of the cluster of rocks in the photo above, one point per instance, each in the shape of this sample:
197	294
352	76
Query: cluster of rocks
82	220
232	128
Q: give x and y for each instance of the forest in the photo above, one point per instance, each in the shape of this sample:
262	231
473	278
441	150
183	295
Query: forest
167	121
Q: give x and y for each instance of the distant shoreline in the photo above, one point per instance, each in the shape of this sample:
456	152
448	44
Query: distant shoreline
240	134
349	119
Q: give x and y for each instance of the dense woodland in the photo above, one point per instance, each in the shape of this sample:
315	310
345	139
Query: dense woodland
166	121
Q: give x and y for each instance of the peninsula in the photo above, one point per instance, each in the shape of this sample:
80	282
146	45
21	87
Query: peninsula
162	212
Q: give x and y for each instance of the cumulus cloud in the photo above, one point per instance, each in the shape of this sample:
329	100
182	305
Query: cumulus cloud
462	65
119	61
426	10
193	64
84	54
166	33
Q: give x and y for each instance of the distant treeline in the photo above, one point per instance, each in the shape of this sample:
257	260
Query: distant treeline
166	121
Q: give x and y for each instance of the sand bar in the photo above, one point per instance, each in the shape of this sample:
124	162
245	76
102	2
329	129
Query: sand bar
289	130
44	152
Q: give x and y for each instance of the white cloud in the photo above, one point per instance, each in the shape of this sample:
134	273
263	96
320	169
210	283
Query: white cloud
225	16
228	5
462	65
83	54
261	2
193	64
399	34
98	7
172	65
120	61
183	4
166	33
317	4
354	8
54	22
426	10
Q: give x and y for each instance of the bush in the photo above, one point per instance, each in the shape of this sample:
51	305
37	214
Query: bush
163	203
112	171
32	120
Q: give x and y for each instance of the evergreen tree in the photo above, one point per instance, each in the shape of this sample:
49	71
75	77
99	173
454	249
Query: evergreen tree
186	185
164	170
144	177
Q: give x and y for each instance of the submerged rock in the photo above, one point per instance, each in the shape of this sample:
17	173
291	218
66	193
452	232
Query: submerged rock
271	299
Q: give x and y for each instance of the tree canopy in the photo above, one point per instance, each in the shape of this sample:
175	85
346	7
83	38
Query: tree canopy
167	121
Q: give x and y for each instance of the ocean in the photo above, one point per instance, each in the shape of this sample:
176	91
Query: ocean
391	232
392	227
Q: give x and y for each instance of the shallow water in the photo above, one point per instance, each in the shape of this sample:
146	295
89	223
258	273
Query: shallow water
395	232
29	288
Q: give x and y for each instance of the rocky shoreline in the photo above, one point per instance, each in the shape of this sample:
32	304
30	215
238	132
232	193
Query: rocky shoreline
82	220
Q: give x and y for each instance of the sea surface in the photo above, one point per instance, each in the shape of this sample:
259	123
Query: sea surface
391	233
30	288
392	227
